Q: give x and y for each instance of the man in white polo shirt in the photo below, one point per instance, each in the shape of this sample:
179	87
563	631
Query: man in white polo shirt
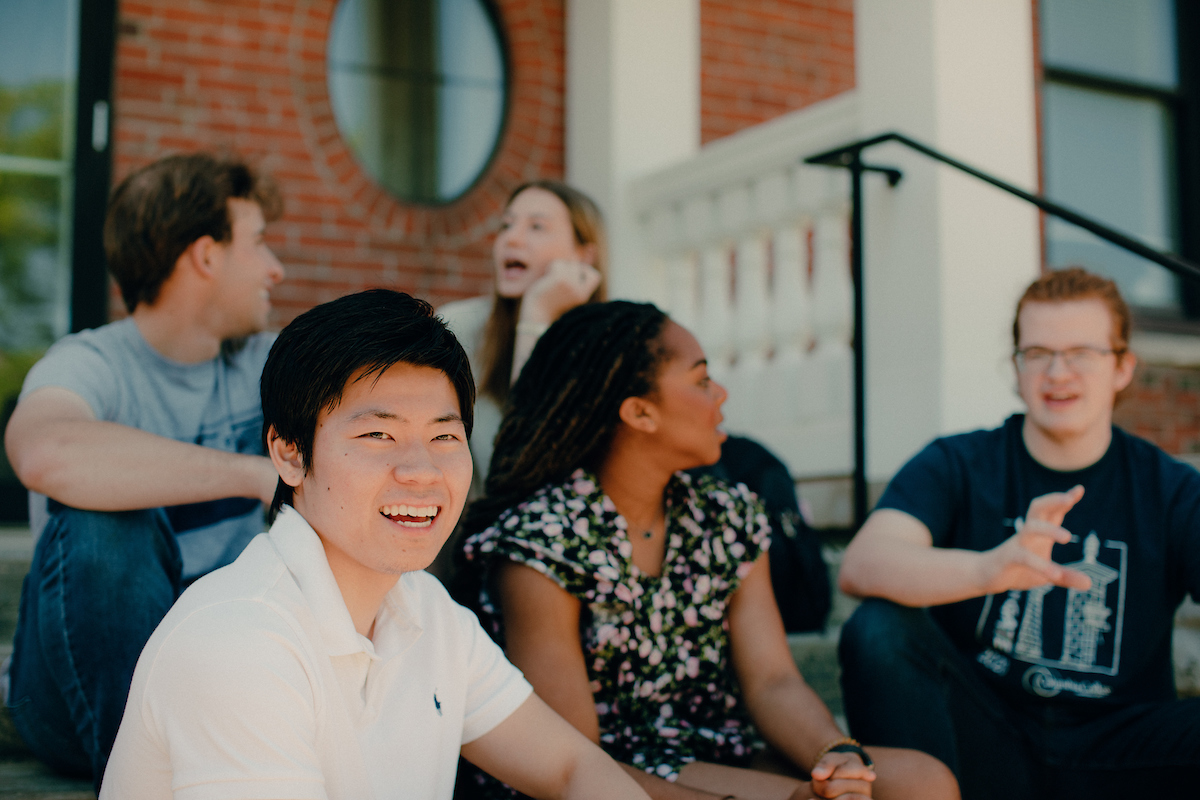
324	662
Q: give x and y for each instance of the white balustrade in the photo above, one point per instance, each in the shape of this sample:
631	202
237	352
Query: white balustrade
749	249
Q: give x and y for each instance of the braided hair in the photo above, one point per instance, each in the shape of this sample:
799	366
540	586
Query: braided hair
564	408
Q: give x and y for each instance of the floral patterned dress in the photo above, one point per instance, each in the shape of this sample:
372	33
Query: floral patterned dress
657	648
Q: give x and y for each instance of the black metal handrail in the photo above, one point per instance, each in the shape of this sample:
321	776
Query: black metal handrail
849	156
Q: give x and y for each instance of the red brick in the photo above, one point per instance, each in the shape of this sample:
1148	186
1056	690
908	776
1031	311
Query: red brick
760	60
1163	405
206	74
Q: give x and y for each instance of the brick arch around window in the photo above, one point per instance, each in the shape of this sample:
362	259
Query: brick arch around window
250	77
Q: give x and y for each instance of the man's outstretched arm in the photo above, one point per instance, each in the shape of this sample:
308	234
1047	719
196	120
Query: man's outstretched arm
58	448
540	754
893	557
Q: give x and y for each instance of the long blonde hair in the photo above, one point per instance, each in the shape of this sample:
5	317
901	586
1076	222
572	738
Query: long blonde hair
500	331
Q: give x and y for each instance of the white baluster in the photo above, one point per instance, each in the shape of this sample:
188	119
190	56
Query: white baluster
751	334
793	326
654	280
752	300
660	236
714	323
772	197
833	325
683	290
792	313
733	209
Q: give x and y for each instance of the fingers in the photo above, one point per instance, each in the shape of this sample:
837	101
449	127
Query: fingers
1073	579
565	285
584	278
591	279
573	272
1056	573
843	790
1037	527
842	766
1054	506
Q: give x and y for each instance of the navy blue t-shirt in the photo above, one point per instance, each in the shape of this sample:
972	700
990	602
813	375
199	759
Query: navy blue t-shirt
1136	533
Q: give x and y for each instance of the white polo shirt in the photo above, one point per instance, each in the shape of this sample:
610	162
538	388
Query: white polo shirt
256	685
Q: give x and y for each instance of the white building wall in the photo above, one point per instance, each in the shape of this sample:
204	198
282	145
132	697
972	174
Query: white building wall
946	255
633	105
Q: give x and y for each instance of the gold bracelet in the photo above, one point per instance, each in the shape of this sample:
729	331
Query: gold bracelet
825	750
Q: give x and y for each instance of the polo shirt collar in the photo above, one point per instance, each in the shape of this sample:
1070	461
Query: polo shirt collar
396	626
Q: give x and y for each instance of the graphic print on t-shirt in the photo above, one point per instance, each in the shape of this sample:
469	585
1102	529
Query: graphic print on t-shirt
1057	629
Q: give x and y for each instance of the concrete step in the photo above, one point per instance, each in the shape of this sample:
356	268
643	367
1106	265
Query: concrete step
16	552
28	779
22	777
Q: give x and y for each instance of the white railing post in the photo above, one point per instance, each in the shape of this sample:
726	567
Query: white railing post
713	332
790	391
833	318
751	332
725	242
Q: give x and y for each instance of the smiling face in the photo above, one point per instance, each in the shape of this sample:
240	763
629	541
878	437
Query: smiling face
246	270
1065	402
535	230
687	402
389	474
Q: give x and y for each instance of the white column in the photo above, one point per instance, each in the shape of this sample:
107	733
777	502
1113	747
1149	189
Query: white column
946	256
633	104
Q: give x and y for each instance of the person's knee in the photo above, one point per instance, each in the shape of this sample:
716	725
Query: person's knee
111	546
880	626
938	780
905	773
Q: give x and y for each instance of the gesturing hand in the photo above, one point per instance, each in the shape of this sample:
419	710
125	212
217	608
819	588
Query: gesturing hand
842	775
565	285
1023	560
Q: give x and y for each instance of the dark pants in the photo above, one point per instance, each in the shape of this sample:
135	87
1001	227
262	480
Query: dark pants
99	585
906	685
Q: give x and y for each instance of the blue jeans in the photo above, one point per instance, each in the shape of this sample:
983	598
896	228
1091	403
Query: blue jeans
905	684
99	585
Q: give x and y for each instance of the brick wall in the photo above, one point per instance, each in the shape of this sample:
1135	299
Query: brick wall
1163	405
761	59
249	76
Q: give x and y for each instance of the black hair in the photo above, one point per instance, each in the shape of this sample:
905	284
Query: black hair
352	338
158	211
564	408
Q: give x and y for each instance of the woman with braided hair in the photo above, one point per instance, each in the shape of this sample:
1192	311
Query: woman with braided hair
636	598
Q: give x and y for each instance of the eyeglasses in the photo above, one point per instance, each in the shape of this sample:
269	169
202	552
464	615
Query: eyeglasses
1076	359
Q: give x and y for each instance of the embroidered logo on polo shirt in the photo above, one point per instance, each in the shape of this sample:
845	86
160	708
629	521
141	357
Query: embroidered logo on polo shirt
437	704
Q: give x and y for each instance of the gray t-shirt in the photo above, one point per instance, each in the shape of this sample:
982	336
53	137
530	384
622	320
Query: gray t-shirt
214	403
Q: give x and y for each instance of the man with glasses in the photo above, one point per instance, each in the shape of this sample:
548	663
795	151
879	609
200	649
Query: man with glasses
1024	580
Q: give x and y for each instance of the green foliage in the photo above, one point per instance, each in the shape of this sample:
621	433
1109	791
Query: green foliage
31	125
13	367
31	119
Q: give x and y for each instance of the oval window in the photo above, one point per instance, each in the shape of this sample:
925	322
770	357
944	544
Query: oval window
418	92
